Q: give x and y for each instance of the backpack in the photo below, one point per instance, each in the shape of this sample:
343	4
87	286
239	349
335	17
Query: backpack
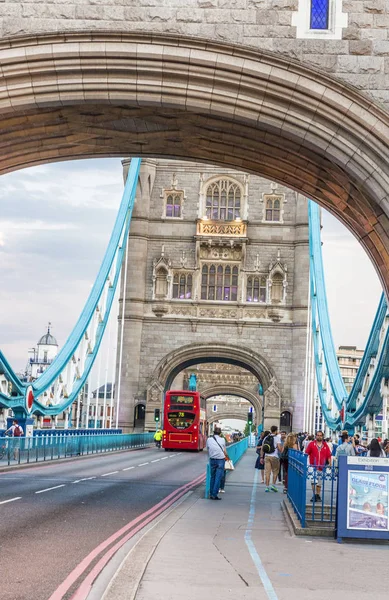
17	431
268	444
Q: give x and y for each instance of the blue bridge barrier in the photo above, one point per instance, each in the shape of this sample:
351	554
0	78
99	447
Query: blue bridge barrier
43	448
54	432
304	481
235	452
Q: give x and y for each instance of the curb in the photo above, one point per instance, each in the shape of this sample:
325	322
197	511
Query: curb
294	524
122	581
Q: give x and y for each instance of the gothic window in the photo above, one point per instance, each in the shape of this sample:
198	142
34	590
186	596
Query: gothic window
319	18
173	203
219	282
223	200
256	289
273	209
161	284
277	289
182	286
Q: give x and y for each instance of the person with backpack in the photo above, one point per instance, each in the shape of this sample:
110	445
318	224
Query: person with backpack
16	431
290	444
270	455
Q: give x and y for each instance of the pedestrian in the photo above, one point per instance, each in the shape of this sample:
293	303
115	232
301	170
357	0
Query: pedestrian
217	453
16	432
319	457
283	440
290	444
375	449
307	441
330	444
270	455
258	463
346	448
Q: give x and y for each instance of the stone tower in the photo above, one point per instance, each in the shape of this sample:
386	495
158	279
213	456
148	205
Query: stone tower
218	268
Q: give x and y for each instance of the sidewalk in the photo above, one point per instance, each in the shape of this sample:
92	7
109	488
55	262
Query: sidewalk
241	547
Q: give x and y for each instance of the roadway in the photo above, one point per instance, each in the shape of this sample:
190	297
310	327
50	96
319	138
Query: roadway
53	516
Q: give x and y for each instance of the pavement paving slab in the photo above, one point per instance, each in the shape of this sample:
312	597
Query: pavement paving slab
203	552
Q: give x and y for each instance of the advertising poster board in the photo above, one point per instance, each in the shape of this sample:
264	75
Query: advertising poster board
363	506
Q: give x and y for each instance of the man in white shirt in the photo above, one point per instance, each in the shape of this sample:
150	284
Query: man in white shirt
216	447
271	458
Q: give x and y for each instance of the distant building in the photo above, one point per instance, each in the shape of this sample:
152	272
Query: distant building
41	356
349	359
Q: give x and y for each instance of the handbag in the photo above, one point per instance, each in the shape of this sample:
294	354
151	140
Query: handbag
229	465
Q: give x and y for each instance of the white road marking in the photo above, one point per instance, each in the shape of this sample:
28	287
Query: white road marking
164	458
10	500
172	455
143	464
111	473
128	468
52	488
83	479
156	460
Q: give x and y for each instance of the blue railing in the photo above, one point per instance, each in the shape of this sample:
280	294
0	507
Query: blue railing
312	490
53	432
36	449
235	452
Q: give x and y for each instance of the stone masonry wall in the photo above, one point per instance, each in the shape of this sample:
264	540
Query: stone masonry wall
361	57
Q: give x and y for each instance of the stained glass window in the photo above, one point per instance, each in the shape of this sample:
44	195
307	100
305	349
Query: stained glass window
219	282
182	286
223	201
173	204
319	14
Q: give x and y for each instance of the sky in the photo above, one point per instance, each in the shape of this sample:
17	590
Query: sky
55	222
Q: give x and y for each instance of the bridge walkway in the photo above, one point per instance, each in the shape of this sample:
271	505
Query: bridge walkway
242	548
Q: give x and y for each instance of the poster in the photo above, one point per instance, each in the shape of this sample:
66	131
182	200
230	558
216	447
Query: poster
367	500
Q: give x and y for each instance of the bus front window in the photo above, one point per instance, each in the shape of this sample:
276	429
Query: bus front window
181	420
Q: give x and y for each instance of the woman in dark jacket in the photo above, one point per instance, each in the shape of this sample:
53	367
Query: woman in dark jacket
258	465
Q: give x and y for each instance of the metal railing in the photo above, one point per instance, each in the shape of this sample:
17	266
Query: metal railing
24	450
304	481
235	452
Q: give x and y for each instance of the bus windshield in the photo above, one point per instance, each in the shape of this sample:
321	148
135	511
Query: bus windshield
181	420
175	399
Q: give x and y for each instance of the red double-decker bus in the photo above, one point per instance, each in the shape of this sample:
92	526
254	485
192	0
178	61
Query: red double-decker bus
184	421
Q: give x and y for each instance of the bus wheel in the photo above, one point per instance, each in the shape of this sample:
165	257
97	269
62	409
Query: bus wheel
166	449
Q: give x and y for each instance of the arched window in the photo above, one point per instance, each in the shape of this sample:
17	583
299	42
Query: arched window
286	421
174	204
219	282
256	289
223	200
139	415
182	286
277	289
320	12
273	209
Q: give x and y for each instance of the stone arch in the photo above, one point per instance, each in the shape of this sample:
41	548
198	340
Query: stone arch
224	415
235	391
97	93
189	355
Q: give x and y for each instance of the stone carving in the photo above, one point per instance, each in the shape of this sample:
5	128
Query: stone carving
220	253
272	395
154	394
233	228
185	311
218	313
